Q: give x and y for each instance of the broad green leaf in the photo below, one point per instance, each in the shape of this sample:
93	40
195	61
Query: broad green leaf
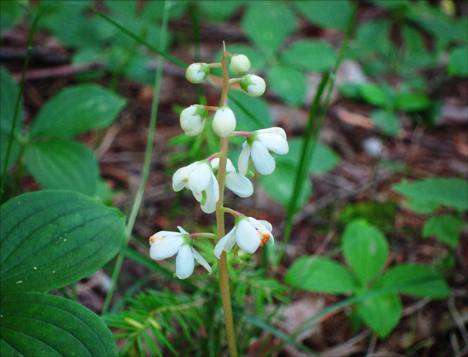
288	83
374	95
76	110
381	214
446	228
8	96
412	102
393	5
53	238
381	313
451	192
251	113
10	13
67	165
414	279
155	9
268	23
321	275
324	160
458	62
386	120
365	249
425	207
43	325
279	185
313	55
326	13
372	37
219	10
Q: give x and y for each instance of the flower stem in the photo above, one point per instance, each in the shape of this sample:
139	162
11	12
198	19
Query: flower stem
223	271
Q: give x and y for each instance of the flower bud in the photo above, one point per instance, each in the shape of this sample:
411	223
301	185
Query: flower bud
192	119
253	85
239	64
197	72
224	122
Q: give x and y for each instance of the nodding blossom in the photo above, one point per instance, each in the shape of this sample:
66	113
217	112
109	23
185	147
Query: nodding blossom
199	178
239	64
248	233
237	183
165	244
197	72
192	119
224	122
258	146
253	85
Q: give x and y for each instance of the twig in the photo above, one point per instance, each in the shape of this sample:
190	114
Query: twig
59	71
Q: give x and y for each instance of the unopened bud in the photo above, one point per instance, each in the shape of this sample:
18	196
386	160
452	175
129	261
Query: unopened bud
224	122
192	119
253	85
239	64
197	72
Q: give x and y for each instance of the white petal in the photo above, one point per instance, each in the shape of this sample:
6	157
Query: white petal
266	224
275	143
200	177
181	230
229	166
210	203
180	177
274	130
239	184
184	262
247	237
264	162
215	186
263	230
166	247
226	243
243	163
201	260
215	163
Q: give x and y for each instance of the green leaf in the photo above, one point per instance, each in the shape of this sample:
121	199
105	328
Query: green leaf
321	275
446	228
53	238
219	10
288	83
155	9
251	113
365	249
313	55
414	279
451	192
381	313
279	185
76	110
325	13
424	207
43	325
412	102
67	165
458	62
8	96
10	13
268	23
386	120
374	95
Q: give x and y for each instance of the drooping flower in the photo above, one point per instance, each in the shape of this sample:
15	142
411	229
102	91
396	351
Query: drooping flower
248	233
199	178
165	244
224	122
239	64
258	145
253	85
192	119
237	183
197	72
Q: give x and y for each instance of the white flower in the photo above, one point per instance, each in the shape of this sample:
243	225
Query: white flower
239	64
237	183
199	178
165	244
197	72
224	122
248	233
253	85
192	119
258	146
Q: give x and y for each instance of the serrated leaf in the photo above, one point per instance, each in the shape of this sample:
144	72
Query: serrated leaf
326	13
381	313
458	62
8	96
414	279
446	228
268	24
43	325
320	274
53	238
67	165
451	192
365	249
288	83
313	55
76	110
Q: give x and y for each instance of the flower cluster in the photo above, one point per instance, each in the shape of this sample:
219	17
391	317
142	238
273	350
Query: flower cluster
199	177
